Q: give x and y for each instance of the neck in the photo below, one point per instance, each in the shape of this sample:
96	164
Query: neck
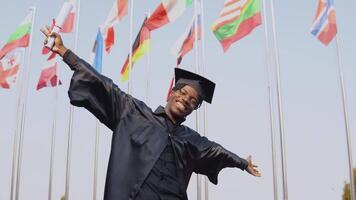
171	117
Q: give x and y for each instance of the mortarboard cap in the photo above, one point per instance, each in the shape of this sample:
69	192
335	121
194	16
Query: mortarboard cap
203	86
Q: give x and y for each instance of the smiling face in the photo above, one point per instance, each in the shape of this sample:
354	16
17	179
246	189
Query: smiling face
182	102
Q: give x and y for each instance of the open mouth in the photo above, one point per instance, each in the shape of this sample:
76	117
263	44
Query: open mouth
181	106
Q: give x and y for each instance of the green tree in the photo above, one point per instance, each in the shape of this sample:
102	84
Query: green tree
347	194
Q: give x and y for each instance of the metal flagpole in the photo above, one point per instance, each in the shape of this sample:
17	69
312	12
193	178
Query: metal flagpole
54	127
203	71
270	101
97	137
129	91
280	110
148	67
23	93
71	112
16	130
345	110
197	116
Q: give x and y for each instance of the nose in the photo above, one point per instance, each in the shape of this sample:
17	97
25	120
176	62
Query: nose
186	102
185	99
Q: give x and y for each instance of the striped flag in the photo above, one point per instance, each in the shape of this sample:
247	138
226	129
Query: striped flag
237	19
186	42
324	25
139	48
11	55
117	12
19	38
166	12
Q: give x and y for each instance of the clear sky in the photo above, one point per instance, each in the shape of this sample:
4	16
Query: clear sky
238	118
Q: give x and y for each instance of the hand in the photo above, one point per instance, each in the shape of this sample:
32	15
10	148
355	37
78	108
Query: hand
58	46
251	168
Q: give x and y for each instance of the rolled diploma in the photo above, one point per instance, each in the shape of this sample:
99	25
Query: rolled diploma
59	22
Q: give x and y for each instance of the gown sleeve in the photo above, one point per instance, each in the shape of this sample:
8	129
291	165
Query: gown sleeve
210	158
95	92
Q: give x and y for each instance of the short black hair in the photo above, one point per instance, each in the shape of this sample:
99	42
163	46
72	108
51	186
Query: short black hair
179	86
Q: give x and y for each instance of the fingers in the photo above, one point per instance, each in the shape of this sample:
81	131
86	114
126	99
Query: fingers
53	34
46	31
249	159
255	172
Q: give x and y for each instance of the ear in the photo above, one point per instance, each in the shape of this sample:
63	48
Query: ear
170	95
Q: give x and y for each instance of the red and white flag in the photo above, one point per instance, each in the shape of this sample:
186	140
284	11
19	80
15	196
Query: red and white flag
70	21
48	77
166	12
117	12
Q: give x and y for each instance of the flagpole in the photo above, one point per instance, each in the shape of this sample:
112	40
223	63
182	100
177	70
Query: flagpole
280	110
71	112
129	91
54	131
346	118
197	116
270	101
97	137
23	93
16	130
148	67
15	143
203	71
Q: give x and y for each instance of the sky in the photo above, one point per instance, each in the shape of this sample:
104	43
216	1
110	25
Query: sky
238	118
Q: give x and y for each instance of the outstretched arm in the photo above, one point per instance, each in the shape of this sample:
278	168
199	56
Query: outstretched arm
91	90
211	158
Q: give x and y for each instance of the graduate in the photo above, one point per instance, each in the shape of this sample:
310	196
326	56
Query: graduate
153	155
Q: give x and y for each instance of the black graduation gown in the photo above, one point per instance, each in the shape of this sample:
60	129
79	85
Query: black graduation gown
139	136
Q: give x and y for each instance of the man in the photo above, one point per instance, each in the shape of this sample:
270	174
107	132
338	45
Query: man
152	154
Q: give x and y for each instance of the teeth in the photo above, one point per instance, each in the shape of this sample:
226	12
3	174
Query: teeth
181	105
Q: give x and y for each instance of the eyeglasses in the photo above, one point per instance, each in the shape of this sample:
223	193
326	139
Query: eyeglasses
192	101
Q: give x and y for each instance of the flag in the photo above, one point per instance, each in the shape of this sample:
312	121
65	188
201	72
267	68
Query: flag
48	77
167	11
117	12
170	89
237	19
96	56
139	48
19	38
186	42
324	25
9	67
69	23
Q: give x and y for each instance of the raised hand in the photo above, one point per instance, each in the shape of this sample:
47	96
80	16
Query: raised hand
58	46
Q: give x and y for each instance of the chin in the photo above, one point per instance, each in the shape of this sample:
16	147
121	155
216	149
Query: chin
178	113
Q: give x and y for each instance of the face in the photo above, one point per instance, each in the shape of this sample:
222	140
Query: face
182	102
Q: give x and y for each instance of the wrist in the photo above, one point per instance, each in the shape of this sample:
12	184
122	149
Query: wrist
62	51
